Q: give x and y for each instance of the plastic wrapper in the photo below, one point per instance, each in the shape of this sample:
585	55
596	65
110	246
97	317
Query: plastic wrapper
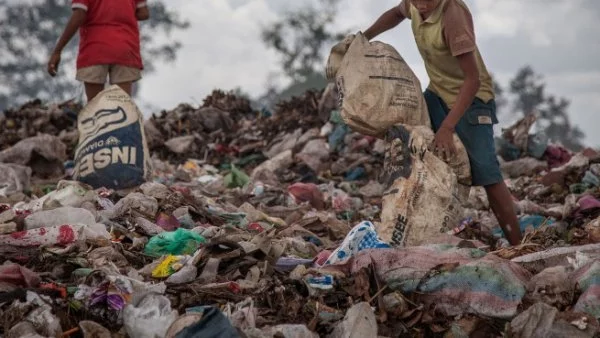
178	242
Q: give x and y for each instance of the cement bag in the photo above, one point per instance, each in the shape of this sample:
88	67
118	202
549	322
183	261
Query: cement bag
423	196
421	138
377	89
112	150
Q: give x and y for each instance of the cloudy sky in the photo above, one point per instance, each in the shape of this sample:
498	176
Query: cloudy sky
222	48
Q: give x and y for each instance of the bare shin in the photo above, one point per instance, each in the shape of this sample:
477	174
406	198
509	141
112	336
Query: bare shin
502	205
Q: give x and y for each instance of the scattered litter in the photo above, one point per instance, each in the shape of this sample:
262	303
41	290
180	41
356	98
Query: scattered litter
270	224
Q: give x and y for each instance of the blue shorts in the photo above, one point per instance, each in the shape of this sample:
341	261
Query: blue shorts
476	131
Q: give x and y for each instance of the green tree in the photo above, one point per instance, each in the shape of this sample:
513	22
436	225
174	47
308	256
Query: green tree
301	38
529	91
29	30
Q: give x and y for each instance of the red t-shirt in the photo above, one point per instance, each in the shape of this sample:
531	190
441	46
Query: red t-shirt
110	34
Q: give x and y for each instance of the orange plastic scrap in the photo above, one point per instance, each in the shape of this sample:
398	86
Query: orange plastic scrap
54	286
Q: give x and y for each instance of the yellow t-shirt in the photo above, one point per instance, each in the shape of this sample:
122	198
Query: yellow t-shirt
447	33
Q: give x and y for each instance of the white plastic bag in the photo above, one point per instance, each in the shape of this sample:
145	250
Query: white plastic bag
149	317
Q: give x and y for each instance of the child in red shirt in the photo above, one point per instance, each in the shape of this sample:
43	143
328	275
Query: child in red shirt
109	43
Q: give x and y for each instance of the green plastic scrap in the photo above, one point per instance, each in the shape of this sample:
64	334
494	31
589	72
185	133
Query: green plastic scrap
336	117
236	178
82	272
46	189
178	242
346	215
590	179
578	188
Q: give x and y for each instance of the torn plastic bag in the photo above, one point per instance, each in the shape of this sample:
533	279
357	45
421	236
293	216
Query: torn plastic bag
44	154
307	192
315	154
59	216
359	322
182	144
552	286
17	275
288	142
39	313
542	321
58	235
67	194
280	161
133	201
92	329
14	178
23	330
522	167
149	317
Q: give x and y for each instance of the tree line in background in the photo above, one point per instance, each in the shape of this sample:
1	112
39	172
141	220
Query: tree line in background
29	30
302	38
528	92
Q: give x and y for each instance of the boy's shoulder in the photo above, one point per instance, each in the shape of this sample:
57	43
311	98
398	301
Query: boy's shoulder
449	7
455	7
404	8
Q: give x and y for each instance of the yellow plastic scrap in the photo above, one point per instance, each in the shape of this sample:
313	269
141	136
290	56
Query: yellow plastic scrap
192	167
168	266
274	220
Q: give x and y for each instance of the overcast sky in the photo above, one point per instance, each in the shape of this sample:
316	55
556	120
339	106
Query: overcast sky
222	48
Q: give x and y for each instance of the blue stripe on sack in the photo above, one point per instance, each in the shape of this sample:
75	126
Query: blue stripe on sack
587	281
588	302
476	279
592	309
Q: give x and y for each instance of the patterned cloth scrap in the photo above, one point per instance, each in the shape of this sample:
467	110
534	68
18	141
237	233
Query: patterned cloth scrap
361	237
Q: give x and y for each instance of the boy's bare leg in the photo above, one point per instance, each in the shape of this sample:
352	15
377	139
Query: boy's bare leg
126	86
93	89
502	205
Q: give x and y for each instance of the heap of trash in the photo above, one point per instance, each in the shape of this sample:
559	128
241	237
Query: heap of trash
258	223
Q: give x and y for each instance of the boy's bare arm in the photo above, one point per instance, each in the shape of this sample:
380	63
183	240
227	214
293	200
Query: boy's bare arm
468	90
142	13
77	19
386	21
443	142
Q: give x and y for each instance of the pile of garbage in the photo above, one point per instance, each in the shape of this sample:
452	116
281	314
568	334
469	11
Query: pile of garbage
263	224
34	118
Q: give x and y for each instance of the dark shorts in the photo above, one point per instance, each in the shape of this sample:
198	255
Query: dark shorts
476	131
